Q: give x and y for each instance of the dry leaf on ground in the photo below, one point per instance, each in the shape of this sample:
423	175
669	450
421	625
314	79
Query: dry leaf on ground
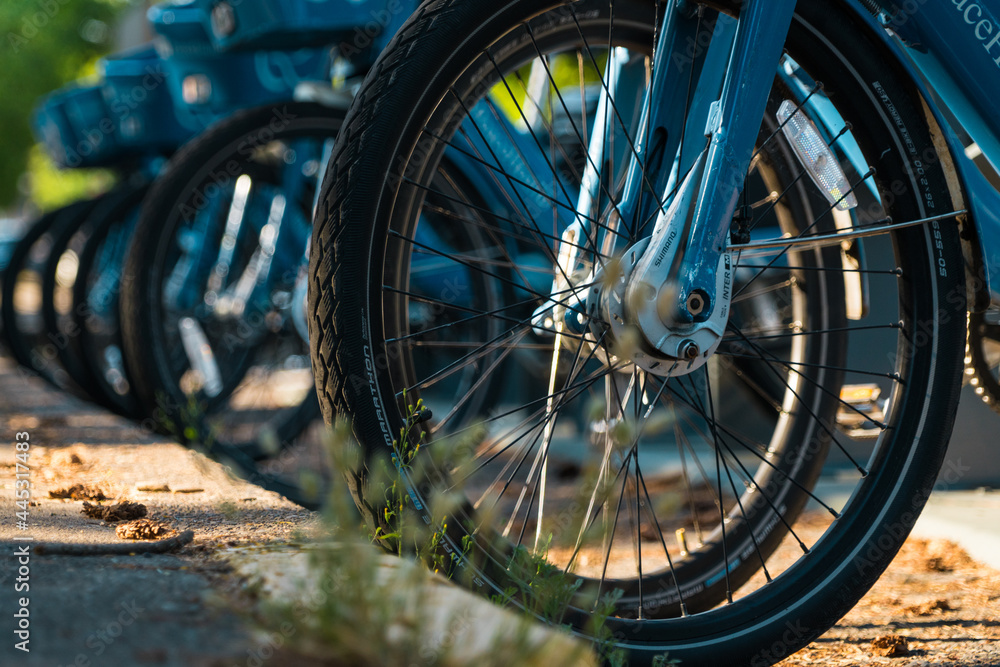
80	492
123	511
142	529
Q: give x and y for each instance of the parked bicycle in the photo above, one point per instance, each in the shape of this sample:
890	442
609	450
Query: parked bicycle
768	204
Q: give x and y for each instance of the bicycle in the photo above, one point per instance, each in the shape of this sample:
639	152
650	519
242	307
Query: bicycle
213	333
781	154
223	87
156	100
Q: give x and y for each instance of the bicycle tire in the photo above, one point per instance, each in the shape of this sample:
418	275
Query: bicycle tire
99	335
57	282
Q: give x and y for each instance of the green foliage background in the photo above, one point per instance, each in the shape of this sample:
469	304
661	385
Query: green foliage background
43	47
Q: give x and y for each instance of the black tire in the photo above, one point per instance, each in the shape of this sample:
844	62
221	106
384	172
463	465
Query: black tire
59	275
101	247
367	173
33	346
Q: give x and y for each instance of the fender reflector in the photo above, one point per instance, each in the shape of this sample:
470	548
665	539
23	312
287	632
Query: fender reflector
815	156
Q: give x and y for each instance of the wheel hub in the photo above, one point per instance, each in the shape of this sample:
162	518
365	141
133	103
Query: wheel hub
680	348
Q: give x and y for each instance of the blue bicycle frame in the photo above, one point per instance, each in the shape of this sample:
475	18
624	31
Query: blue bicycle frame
955	46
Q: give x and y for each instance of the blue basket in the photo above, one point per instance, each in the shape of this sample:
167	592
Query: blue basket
130	115
74	124
206	81
138	95
52	128
282	24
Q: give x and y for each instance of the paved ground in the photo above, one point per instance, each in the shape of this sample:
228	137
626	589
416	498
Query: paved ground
189	608
121	610
193	608
972	518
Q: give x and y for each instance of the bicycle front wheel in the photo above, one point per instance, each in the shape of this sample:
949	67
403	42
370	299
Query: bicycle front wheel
698	510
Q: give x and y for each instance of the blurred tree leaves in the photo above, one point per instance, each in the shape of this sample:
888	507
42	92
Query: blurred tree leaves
53	188
45	44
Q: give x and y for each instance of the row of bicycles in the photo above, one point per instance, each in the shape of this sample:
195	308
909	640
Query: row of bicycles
177	297
669	300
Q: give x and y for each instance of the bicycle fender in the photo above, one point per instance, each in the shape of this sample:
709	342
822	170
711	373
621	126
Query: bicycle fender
980	225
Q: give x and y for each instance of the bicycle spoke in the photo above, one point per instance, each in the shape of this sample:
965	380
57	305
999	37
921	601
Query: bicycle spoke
757	454
789	366
484	225
820	218
576	130
471	265
772	334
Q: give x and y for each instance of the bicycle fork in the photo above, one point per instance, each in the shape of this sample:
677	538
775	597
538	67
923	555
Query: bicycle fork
674	286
